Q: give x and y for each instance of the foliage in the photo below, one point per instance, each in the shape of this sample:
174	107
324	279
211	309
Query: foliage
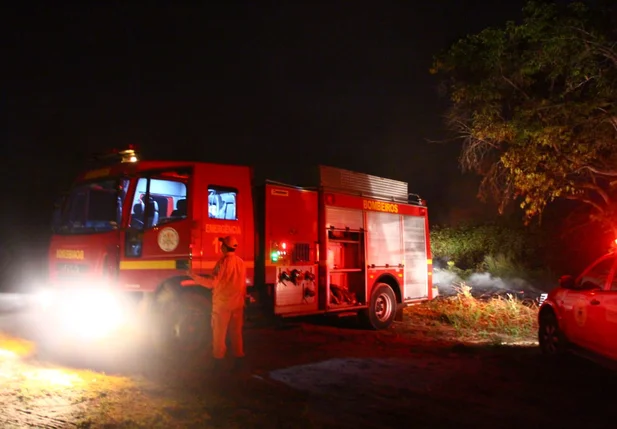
502	266
486	247
536	106
496	316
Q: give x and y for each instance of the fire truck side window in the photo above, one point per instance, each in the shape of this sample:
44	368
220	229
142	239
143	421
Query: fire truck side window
166	203
222	203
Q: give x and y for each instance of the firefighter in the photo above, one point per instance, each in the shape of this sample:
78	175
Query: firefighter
228	284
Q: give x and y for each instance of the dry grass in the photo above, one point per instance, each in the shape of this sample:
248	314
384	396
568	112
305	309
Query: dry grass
34	393
497	319
15	346
39	394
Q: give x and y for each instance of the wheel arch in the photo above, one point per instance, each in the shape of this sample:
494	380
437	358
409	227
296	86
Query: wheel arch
547	309
391	281
171	316
172	286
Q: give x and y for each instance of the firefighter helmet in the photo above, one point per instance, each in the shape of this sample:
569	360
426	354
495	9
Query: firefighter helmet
229	241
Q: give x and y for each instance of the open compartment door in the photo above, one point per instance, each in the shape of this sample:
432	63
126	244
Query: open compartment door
291	248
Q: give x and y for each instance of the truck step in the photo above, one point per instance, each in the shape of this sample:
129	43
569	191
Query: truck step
347	314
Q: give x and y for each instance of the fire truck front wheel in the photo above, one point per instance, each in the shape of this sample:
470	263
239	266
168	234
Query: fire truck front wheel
182	323
193	327
382	308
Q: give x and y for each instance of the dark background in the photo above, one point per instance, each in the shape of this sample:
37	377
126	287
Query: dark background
345	84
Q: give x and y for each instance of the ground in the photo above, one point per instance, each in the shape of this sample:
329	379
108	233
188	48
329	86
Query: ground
310	374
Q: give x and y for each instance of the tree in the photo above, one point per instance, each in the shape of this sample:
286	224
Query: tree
535	104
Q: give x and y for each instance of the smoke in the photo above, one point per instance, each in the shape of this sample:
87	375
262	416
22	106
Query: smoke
482	284
445	281
12	302
23	263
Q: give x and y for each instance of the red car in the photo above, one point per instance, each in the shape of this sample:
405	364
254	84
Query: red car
581	313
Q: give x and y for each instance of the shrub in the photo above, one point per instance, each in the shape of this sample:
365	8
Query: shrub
496	316
500	249
501	265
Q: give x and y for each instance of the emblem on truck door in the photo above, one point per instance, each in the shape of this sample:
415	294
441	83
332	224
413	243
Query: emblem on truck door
168	239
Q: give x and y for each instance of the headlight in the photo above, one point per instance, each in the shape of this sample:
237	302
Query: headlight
44	299
88	314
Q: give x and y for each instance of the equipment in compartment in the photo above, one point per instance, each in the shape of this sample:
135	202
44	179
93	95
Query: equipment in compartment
346	267
341	296
295	286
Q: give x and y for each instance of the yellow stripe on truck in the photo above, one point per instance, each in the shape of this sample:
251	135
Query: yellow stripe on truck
208	265
170	264
163	264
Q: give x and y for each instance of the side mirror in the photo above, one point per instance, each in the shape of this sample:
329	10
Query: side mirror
566	282
56	218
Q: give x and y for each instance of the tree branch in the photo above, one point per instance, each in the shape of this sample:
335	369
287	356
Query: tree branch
599	190
572	225
596	171
580	84
513	85
607	52
595	205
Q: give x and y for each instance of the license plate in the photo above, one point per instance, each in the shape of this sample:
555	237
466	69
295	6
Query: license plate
71	269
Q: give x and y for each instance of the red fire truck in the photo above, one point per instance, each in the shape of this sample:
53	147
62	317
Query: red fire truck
126	233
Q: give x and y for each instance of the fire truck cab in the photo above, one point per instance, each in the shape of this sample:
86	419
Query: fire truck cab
350	243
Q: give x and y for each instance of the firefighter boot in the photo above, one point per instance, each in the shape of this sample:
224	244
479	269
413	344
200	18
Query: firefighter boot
216	366
238	365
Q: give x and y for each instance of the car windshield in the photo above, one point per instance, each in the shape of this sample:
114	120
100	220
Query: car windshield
91	207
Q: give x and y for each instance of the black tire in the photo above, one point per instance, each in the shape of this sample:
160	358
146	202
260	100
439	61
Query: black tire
382	308
552	341
181	322
194	329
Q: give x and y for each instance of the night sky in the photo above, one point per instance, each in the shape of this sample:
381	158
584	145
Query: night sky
343	85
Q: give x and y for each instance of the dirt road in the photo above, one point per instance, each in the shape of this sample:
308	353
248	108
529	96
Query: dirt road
307	375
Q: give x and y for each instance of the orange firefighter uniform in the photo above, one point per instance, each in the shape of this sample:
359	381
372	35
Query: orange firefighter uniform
228	284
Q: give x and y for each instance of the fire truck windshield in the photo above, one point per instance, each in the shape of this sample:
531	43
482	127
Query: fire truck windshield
91	207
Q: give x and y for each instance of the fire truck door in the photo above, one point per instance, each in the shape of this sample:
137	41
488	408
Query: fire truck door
221	219
291	237
158	236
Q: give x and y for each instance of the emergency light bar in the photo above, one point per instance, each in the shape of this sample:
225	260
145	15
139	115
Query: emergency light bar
115	156
416	199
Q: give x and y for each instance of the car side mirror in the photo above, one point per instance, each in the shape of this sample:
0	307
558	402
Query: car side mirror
566	282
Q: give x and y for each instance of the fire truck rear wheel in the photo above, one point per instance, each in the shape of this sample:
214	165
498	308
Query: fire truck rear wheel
382	308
